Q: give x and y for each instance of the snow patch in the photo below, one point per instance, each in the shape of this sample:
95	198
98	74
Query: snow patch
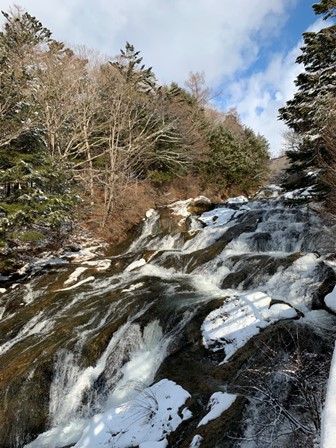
99	265
330	300
217	216
218	403
145	421
86	280
196	441
75	275
133	287
239	319
136	264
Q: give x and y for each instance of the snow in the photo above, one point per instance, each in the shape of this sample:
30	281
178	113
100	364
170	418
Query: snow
180	208
330	300
196	441
3	290
217	216
240	318
76	285
99	265
144	421
75	275
133	287
150	213
218	403
328	430
301	193
237	200
85	254
135	264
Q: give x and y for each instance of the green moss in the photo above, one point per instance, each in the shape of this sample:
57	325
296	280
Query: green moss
30	236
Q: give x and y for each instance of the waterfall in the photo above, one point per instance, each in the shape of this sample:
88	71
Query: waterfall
201	293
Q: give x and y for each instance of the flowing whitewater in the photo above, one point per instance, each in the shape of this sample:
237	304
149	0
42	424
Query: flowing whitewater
199	334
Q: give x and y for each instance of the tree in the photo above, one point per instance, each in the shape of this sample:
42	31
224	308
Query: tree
28	190
307	113
198	89
326	7
237	155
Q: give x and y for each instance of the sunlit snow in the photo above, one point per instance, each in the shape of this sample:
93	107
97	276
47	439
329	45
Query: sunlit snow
219	402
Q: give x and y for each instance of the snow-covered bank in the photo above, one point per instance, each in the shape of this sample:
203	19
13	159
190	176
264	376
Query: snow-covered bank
240	318
145	421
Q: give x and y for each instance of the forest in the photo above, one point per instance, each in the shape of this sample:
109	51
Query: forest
81	131
99	138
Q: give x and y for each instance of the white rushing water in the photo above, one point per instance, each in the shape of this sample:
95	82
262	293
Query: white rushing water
163	282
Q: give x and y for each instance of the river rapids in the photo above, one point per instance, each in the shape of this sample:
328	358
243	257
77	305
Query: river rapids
209	330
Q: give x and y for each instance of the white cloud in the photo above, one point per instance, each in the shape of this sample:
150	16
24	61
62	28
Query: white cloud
259	97
174	36
179	36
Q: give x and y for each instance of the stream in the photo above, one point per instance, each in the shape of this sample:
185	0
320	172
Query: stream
209	330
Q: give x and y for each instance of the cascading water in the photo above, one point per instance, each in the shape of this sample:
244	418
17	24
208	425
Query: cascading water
88	337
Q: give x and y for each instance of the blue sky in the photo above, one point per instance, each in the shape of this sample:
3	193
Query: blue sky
246	48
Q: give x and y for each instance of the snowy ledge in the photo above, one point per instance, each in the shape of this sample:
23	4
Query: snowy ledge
241	317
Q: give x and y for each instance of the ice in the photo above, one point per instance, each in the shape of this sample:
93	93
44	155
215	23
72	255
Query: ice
218	403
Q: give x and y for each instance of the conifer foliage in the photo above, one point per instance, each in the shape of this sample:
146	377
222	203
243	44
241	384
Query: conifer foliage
309	112
74	123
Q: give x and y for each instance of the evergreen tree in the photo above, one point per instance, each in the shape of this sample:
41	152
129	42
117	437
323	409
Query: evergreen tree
307	113
28	191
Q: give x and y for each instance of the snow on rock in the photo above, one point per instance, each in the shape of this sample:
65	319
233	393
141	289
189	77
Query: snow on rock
237	200
240	318
330	300
301	193
328	430
180	208
144	421
218	403
217	216
83	255
75	275
196	441
3	290
135	264
82	282
133	287
279	311
99	265
150	213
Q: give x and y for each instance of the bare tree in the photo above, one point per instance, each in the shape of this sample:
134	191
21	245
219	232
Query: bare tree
285	390
198	89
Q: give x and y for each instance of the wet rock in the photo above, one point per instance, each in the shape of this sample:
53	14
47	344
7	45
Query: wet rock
244	224
327	282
